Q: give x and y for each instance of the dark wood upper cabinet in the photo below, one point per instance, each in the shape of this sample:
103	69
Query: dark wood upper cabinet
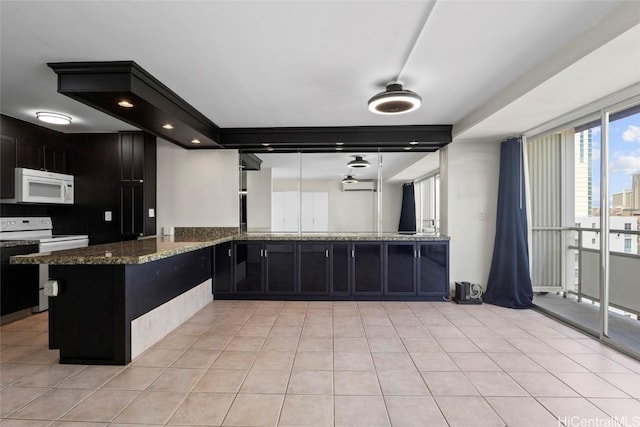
7	166
30	154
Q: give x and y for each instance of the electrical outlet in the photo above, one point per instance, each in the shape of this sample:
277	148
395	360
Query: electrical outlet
108	216
152	213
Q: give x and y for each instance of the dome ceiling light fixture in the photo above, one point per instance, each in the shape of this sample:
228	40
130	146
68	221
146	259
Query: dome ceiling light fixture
394	100
53	118
358	162
349	180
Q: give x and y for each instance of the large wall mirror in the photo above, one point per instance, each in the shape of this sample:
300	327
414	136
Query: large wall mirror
332	192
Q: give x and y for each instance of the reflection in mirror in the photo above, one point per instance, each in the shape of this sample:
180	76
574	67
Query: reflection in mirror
305	192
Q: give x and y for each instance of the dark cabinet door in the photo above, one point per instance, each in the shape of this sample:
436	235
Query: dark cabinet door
29	155
132	157
280	267
248	267
314	268
7	167
367	268
433	269
18	283
340	268
222	264
131	210
400	272
56	159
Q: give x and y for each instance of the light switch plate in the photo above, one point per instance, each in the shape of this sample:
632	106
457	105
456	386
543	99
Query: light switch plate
108	216
152	213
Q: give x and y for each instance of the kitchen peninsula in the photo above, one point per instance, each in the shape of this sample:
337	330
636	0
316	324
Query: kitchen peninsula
116	300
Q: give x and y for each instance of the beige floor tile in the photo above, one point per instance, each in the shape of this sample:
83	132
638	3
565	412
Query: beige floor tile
404	320
196	359
27	423
101	406
266	381
313	361
318	330
152	407
373	320
235	360
49	376
402	383
352	361
433	362
515	362
11	372
393	362
285	330
590	385
254	330
542	384
530	345
300	410
281	344
414	411
202	409
212	342
422	345
177	342
475	362
384	331
522	411
468	411
356	383
91	377
274	360
157	358
598	363
629	383
134	378
13	398
351	345
458	345
627	410
344	331
556	362
414	331
310	382
495	384
51	405
365	411
254	410
177	379
386	345
449	384
245	344
221	381
494	345
315	344
576	410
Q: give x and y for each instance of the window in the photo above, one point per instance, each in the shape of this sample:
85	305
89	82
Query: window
627	245
593	241
627	226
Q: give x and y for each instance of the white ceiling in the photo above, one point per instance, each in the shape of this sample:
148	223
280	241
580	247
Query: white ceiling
487	67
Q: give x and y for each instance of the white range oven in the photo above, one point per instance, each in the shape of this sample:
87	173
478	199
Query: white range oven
40	229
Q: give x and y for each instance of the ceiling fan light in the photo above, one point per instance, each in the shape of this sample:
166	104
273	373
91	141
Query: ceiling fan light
53	118
394	100
349	180
358	162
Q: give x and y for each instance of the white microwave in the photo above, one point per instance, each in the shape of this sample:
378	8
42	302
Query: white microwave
35	186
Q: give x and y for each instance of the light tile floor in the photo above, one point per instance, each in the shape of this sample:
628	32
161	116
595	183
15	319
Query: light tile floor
268	363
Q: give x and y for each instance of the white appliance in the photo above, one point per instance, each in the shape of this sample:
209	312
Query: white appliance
40	229
35	186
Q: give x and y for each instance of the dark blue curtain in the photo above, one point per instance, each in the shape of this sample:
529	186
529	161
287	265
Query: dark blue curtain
509	282
408	212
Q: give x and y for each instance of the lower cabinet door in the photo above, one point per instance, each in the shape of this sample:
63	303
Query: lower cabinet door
222	264
280	267
433	270
248	268
367	268
400	271
314	268
340	256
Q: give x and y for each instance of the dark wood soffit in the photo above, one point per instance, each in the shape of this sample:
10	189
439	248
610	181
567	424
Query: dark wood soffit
102	84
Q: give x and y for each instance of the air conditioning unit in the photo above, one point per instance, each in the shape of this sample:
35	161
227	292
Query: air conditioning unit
359	186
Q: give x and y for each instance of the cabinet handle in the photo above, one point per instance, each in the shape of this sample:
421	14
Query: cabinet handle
326	253
353	253
142	180
265	253
419	253
229	252
415	253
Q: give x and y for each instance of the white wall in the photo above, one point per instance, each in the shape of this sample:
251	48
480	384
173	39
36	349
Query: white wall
259	188
197	188
471	183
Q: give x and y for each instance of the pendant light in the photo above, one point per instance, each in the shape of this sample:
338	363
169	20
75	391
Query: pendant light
358	162
394	100
349	180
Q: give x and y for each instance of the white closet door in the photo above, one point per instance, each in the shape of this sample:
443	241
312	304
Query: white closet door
291	211
321	212
308	212
277	212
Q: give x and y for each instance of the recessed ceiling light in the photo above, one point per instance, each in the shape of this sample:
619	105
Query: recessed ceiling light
266	144
349	180
195	141
359	162
125	104
414	143
339	148
408	148
53	118
394	100
167	126
339	143
270	149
